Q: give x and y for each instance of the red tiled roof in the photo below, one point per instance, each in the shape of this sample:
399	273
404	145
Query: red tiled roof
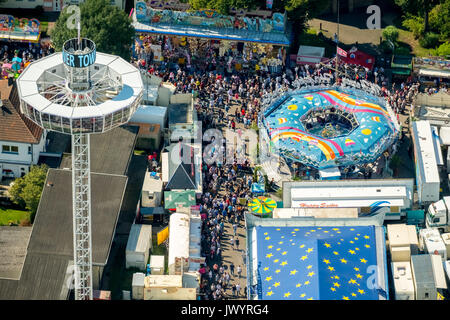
14	126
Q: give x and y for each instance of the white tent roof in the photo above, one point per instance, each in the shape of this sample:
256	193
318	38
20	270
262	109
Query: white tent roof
445	135
311	51
178	237
145	113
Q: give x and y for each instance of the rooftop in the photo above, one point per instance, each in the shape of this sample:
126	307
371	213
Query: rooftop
113	150
13	250
15	127
423	140
50	248
179	113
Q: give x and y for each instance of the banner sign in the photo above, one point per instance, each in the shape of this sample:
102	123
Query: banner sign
341	52
20	26
163	235
209	18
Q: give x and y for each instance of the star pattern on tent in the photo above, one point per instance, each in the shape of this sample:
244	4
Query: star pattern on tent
315	263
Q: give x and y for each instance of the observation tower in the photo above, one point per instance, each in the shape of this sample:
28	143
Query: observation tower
80	91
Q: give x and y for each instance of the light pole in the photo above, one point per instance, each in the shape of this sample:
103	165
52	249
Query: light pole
337	43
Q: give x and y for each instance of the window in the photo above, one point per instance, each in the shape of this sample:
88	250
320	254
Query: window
10	149
29	150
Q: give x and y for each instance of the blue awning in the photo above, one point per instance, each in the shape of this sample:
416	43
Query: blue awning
210	33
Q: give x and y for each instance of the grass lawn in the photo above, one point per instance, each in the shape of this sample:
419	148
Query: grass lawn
15	216
407	37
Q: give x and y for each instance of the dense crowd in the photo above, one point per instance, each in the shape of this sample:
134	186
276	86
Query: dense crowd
15	56
227	186
224	187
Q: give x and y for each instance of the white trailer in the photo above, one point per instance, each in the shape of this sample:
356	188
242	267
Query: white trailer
157	265
428	275
438	215
137	286
403	280
399	243
427	174
138	246
431	242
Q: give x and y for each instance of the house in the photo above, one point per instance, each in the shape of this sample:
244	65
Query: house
183	164
42	269
21	140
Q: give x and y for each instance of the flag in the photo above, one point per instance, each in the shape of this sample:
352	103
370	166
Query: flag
342	52
316	263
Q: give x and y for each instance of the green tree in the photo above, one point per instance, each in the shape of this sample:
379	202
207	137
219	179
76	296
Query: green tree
440	19
419	7
108	26
26	191
414	24
443	50
390	33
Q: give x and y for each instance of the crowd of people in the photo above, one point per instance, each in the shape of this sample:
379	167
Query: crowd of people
218	93
225	186
15	56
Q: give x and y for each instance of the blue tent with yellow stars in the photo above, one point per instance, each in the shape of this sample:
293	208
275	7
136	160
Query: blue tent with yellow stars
317	263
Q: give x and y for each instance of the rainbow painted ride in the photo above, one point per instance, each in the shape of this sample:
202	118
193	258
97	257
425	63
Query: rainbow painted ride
329	127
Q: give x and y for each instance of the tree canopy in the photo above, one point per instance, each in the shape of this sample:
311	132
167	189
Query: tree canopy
297	10
26	191
108	26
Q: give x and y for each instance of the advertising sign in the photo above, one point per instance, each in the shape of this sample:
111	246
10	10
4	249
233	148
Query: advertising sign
163	235
19	29
209	18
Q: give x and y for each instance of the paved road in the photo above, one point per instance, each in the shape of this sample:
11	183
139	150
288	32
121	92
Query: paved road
231	253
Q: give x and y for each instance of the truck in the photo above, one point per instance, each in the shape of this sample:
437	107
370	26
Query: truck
427	173
431	242
438	215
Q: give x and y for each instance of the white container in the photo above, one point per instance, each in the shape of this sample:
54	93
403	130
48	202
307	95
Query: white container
399	243
413	240
403	280
150	115
432	243
428	183
446	239
439	272
447	269
137	289
156	265
126	295
138	246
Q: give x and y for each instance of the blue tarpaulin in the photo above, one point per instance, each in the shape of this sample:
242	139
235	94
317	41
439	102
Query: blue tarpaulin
258	188
317	263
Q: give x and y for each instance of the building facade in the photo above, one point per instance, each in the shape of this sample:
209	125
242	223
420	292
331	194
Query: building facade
21	140
49	5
